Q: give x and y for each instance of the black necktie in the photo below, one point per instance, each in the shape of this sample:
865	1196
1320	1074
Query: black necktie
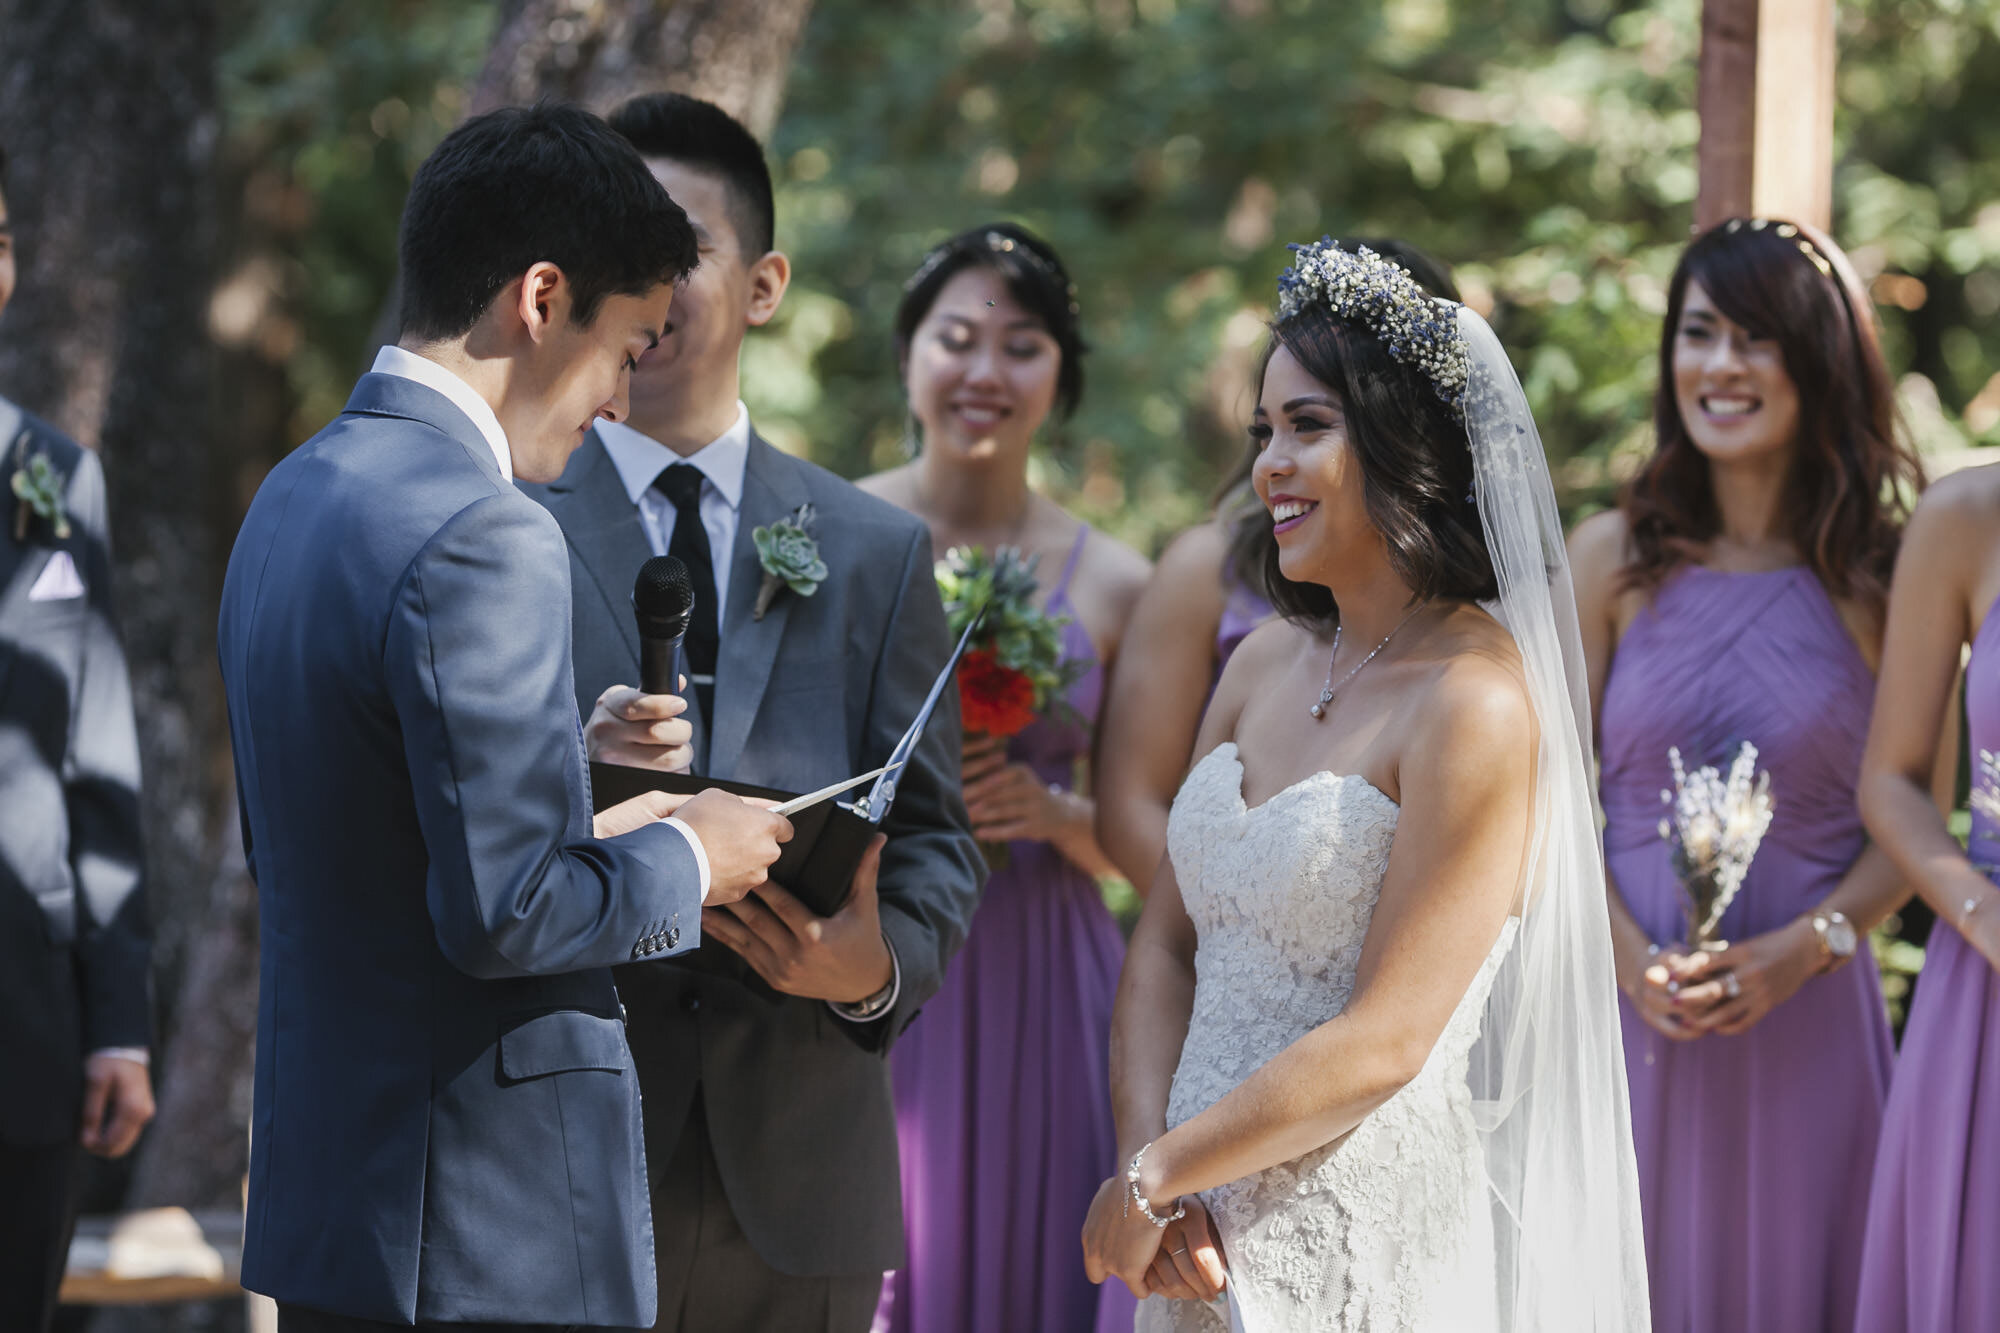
681	484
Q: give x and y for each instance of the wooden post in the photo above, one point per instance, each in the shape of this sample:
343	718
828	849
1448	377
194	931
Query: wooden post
1765	99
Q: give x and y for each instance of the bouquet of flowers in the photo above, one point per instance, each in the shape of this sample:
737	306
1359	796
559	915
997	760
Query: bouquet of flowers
1716	827
1013	671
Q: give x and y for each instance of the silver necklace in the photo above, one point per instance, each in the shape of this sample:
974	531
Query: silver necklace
1328	690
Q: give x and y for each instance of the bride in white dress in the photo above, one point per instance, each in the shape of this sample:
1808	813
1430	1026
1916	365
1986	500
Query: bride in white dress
1365	1057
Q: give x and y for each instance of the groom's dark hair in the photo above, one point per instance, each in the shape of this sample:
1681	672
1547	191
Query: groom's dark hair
521	185
702	135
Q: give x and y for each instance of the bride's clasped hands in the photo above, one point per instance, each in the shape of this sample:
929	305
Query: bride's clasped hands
1182	1260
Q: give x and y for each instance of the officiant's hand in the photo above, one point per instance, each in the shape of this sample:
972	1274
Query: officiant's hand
1189	1266
640	730
842	958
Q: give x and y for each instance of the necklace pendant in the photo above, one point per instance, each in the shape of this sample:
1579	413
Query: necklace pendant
1319	709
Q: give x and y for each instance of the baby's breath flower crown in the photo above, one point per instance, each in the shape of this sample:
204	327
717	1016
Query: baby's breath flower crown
1360	287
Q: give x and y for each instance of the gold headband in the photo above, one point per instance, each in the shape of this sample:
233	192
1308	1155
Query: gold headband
1789	231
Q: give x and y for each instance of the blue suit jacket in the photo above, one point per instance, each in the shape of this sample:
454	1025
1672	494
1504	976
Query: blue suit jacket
446	1125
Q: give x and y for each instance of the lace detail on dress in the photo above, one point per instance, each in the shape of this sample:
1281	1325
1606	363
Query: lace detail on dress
1387	1228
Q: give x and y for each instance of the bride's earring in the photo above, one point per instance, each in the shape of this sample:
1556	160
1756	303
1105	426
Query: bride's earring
913	440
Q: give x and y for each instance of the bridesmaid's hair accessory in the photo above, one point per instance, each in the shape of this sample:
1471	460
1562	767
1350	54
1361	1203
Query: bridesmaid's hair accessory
1788	231
1359	286
1000	243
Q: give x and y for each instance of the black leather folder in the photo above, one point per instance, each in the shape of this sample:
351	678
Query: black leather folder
816	866
828	839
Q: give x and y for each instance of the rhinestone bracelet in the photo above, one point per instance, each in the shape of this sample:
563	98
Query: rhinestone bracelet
1132	1196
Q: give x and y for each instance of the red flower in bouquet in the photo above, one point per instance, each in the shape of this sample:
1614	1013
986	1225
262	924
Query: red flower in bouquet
996	700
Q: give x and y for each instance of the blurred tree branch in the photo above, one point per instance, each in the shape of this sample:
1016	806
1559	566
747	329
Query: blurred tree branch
734	53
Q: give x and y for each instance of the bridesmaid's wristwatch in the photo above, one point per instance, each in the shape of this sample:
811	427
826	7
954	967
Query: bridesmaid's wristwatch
1837	940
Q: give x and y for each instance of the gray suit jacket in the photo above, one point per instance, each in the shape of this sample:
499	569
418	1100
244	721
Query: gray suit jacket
446	1125
73	938
821	688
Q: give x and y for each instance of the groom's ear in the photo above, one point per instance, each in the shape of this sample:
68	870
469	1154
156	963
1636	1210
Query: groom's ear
542	300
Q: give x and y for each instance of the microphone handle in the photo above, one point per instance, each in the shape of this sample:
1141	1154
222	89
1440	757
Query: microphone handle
660	665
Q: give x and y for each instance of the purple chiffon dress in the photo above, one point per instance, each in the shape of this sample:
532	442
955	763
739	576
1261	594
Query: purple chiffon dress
1242	611
1934	1219
1754	1151
1003	1100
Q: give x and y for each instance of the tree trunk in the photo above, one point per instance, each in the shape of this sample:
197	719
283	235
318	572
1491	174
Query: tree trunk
734	53
110	112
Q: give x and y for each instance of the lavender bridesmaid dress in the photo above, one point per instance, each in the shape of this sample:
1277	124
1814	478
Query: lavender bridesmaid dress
1754	1151
1934	1220
1003	1100
1242	611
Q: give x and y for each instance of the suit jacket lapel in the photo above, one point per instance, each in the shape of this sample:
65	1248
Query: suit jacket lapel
13	423
772	489
603	527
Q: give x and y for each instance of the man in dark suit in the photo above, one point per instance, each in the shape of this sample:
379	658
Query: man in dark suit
74	1020
446	1128
769	1127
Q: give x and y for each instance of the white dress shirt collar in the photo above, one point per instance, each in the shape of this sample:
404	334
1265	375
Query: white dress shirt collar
640	458
405	364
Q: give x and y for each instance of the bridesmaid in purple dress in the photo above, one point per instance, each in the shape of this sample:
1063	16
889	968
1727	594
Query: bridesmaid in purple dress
1737	595
1204	598
1199	605
1002	1100
1934	1220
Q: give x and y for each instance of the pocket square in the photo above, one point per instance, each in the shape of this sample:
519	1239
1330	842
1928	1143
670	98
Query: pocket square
58	580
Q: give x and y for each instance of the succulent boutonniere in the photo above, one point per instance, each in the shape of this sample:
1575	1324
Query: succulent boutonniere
39	491
790	558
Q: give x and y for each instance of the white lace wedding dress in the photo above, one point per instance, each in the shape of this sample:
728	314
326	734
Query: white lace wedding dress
1388	1228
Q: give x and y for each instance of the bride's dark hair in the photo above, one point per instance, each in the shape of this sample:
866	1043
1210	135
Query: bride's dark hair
1248	526
1416	468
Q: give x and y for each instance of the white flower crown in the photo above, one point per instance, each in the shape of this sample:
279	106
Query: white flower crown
1361	287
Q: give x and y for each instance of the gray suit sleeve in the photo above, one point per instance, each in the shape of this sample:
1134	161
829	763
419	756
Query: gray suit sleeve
931	869
101	796
478	665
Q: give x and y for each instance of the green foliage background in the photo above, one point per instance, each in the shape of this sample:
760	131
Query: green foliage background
1169	148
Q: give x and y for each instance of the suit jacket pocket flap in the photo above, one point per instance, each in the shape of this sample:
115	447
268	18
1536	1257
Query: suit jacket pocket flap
562	1042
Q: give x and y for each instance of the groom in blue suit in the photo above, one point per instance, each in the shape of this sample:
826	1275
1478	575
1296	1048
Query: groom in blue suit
446	1128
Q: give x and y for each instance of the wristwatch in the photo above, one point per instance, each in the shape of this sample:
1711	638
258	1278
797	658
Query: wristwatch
1837	940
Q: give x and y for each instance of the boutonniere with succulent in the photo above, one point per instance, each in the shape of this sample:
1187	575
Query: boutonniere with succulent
38	493
790	559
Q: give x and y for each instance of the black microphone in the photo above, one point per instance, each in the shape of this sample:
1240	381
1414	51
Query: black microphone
663	604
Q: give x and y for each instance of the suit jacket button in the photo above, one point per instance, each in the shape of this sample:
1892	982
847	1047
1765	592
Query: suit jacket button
674	938
691	1002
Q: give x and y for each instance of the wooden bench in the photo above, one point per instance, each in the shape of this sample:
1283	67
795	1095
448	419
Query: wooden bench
155	1256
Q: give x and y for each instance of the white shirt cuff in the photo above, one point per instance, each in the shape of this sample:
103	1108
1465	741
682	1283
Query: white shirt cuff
136	1054
694	845
880	1004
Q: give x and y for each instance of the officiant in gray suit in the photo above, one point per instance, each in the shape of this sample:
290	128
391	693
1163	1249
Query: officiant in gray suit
770	1137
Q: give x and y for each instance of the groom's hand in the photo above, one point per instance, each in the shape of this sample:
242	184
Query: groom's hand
841	958
740	838
640	730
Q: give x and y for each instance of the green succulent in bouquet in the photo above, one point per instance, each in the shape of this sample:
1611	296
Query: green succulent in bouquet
1014	670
